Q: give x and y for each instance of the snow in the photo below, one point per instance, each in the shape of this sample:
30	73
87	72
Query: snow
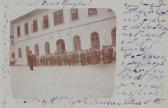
92	81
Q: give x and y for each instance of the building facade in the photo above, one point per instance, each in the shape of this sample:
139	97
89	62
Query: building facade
46	31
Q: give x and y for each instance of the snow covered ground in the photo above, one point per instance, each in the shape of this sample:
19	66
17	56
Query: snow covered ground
76	81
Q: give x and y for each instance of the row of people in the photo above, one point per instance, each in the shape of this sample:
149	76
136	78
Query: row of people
84	57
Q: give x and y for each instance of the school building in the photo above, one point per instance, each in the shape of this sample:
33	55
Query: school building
46	31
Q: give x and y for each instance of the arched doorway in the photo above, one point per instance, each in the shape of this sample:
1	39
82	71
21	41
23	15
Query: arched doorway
47	48
76	43
60	46
113	35
95	41
27	51
36	50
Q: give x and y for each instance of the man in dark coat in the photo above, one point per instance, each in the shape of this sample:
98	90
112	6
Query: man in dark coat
30	59
110	57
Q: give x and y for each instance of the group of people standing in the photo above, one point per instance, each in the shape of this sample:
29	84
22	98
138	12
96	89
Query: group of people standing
83	57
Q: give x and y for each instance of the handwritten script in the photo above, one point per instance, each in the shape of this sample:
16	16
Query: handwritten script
62	3
140	80
144	25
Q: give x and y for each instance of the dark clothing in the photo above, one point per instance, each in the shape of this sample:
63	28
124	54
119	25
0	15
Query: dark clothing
30	59
86	57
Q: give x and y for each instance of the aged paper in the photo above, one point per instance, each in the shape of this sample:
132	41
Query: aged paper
84	53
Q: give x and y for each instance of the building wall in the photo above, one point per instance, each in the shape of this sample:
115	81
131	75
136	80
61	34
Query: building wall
102	23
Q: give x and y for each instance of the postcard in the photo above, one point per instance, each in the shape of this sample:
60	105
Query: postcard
84	53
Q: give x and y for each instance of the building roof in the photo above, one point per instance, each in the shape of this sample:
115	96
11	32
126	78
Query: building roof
31	13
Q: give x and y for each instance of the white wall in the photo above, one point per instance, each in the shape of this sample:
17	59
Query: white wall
82	27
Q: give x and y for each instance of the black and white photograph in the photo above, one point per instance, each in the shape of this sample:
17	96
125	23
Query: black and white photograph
63	52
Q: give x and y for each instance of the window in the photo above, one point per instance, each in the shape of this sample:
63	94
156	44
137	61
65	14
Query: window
47	48
60	46
95	42
113	35
36	50
18	31
19	53
74	14
26	28
92	11
12	42
77	43
27	51
110	10
58	17
35	26
45	22
13	55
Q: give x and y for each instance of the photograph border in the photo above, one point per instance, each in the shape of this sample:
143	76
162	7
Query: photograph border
40	100
8	101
